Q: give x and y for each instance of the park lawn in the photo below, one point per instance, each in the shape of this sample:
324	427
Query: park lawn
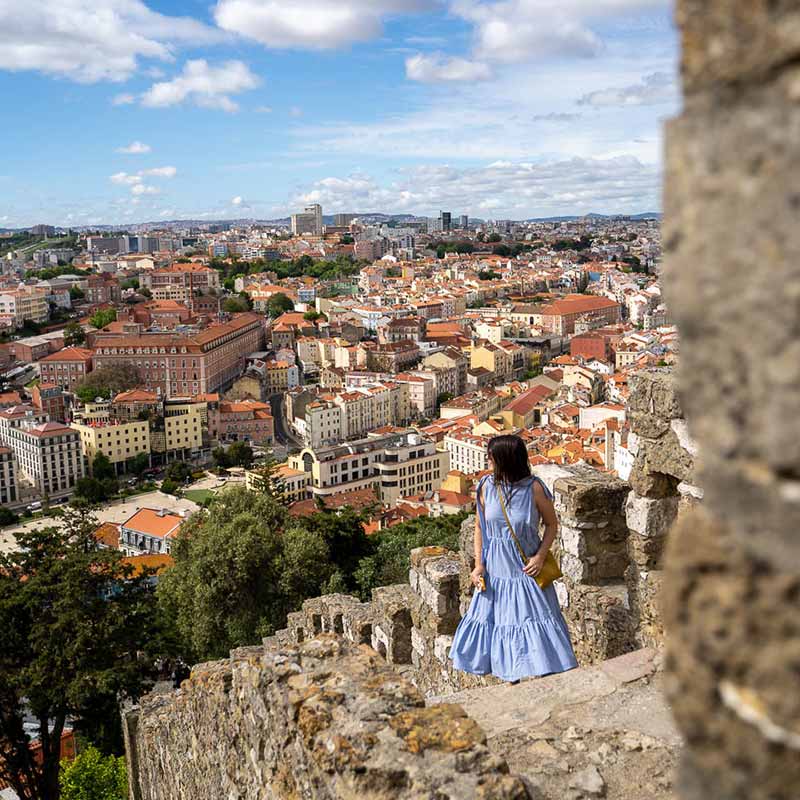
198	496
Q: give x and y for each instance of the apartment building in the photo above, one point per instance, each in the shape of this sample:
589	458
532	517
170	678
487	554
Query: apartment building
280	376
560	316
102	289
48	455
493	358
50	400
248	420
118	441
67	368
392	464
181	282
8	478
180	365
421	391
450	366
353	412
23	303
468	453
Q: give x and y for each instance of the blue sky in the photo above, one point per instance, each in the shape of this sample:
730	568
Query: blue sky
122	111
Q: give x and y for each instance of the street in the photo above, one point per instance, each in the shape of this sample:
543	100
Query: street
283	435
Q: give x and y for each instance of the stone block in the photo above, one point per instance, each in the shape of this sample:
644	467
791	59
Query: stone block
392	627
650	517
441	648
734	42
733	632
600	621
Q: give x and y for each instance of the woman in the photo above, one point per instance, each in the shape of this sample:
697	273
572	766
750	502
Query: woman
513	629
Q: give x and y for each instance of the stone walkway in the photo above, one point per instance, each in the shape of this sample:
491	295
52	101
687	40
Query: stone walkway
599	731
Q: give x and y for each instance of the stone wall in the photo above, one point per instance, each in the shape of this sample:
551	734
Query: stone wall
323	719
732	279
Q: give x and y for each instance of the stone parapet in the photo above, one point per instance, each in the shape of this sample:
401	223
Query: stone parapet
322	719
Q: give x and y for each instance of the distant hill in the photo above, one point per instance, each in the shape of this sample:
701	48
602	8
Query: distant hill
574	218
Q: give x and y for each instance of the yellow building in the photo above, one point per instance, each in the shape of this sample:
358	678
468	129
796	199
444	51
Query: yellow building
293	482
183	426
493	358
119	441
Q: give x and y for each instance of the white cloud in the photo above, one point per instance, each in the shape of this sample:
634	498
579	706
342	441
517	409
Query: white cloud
295	111
263	109
512	31
136	180
92	40
124	99
125	179
203	85
237	201
518	190
310	24
135	148
161	172
437	67
654	89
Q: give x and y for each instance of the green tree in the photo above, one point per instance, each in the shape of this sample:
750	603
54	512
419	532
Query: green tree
391	558
220	456
234	305
168	486
138	464
7	516
240	454
93	776
89	491
278	304
493	237
343	533
73	334
312	316
178	471
224	588
75	293
77	627
108	380
102	467
102	317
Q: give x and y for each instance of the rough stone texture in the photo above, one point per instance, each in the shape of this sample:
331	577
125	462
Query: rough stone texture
732	280
561	732
323	719
734	661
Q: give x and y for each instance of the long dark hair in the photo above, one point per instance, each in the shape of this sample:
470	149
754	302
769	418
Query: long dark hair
510	458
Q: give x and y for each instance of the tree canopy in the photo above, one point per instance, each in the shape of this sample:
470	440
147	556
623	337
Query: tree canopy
74	658
102	317
278	304
93	776
73	334
108	380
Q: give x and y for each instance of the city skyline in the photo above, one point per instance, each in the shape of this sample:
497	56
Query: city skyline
508	109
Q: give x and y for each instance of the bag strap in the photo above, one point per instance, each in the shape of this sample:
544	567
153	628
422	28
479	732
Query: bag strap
510	526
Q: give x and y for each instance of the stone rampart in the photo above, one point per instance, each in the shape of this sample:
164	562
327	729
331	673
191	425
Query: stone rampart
322	719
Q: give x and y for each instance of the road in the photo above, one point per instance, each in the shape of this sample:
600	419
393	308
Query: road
283	435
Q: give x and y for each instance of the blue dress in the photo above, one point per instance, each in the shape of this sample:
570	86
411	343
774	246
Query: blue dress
514	629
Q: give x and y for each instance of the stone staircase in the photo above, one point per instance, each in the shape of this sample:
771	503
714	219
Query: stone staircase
598	731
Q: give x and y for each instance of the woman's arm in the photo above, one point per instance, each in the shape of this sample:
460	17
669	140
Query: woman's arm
478	545
547	514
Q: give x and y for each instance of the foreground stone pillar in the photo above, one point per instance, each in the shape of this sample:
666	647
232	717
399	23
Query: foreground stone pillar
732	588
